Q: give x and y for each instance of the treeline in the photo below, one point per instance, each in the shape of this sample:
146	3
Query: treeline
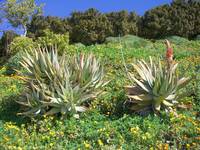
181	18
87	27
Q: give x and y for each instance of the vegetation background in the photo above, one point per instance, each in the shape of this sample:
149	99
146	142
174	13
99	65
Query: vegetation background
109	123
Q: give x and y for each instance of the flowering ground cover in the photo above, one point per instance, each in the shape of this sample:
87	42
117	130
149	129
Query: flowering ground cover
108	123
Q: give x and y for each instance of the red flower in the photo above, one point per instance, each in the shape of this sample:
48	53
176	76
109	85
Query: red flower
169	52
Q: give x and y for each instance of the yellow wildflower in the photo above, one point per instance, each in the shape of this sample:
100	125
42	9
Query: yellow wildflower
19	148
52	133
100	142
135	130
87	145
188	146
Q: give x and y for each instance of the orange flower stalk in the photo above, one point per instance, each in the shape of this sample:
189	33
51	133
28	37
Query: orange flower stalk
169	53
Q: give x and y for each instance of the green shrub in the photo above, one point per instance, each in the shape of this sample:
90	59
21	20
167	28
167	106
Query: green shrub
97	131
89	27
13	63
5	42
177	40
17	48
79	45
129	41
189	66
50	39
21	44
177	18
197	38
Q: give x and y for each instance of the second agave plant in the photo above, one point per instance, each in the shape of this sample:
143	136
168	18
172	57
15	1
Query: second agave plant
158	85
59	84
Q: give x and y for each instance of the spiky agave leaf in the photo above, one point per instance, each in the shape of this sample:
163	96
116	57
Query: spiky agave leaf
157	86
63	84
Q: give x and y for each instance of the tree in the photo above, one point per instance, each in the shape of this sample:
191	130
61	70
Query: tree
133	21
41	23
58	25
180	19
89	27
123	23
5	41
37	26
20	12
119	21
194	18
156	22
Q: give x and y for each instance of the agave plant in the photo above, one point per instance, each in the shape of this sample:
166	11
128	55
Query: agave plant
157	86
59	84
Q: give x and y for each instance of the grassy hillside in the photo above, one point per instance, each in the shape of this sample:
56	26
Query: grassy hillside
108	124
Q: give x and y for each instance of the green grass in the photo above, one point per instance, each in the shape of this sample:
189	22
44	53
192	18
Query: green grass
108	124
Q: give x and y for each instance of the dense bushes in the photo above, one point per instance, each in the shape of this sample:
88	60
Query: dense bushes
5	41
87	27
40	23
123	23
180	18
16	49
49	39
156	22
21	44
90	27
129	41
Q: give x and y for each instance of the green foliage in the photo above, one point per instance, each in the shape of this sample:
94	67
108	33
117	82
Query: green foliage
21	44
179	18
20	12
16	49
177	39
156	22
123	23
57	85
89	27
189	66
96	131
13	63
197	37
5	41
1	11
39	24
129	41
100	127
61	41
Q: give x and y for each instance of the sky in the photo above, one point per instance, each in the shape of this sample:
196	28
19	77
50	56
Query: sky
63	8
